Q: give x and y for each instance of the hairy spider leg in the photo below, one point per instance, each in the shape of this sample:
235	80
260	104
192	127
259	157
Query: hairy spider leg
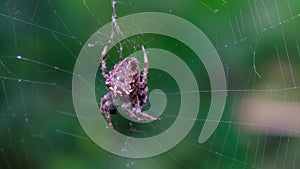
103	59
143	84
141	115
137	111
146	65
131	114
106	101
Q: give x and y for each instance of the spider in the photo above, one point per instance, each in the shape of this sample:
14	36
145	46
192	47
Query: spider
126	83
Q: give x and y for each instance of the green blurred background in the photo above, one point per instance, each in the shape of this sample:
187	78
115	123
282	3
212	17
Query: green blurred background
257	41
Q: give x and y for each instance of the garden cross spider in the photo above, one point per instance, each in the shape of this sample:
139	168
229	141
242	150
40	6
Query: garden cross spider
126	83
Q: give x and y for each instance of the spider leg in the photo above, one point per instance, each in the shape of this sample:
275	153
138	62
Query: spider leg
103	58
146	66
129	112
144	116
148	117
106	101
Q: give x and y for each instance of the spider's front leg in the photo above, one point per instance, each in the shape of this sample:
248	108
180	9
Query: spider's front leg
131	114
146	65
103	58
144	116
105	104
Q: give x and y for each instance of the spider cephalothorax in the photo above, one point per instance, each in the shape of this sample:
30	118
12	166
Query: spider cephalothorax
128	84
